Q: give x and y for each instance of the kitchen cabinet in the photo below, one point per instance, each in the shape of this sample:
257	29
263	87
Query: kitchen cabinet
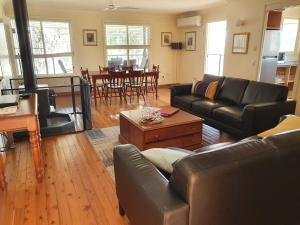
274	20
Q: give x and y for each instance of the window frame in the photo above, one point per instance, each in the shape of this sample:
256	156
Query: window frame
297	35
126	47
5	56
46	56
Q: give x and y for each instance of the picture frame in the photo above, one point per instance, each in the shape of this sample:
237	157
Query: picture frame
166	39
240	43
190	41
89	37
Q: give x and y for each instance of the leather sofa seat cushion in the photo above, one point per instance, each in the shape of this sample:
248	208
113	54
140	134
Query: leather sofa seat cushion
258	92
230	114
206	107
185	101
233	90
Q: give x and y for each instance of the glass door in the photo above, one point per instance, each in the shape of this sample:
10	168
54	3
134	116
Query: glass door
215	47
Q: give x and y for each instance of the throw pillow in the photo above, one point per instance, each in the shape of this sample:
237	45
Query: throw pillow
290	123
195	84
163	158
212	90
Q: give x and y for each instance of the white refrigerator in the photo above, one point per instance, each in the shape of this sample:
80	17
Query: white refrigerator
270	56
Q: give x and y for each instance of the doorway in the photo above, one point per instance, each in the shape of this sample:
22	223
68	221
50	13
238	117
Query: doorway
281	48
215	47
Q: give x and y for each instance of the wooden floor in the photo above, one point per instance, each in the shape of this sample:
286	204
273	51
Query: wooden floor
76	189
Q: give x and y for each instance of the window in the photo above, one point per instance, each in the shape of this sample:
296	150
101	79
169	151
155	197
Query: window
288	35
5	69
51	47
215	47
127	45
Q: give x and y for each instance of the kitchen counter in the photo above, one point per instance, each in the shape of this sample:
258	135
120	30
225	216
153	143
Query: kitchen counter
286	64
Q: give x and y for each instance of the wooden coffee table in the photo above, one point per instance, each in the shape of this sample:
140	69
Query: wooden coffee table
181	130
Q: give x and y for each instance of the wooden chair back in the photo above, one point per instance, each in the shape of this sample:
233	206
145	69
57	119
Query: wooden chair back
85	74
117	78
136	77
155	68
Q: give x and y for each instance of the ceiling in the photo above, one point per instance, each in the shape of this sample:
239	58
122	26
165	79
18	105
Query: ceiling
166	6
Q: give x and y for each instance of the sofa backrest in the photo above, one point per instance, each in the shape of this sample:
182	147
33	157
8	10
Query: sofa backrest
250	182
258	92
233	90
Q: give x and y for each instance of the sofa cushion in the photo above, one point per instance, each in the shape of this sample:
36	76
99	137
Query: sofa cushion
206	107
258	92
233	90
195	84
200	87
230	115
185	101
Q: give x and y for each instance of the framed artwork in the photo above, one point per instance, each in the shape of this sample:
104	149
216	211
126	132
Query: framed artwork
190	41
166	39
90	37
240	43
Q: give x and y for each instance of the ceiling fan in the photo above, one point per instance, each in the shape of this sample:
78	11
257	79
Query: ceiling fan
112	7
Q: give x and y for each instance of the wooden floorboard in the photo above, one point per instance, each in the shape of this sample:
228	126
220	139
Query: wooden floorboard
76	190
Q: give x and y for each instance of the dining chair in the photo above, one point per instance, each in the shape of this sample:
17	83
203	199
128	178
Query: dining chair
102	87
151	82
116	85
127	68
136	85
106	69
85	74
155	68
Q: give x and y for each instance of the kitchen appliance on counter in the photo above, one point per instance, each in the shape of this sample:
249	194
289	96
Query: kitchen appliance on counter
281	57
270	56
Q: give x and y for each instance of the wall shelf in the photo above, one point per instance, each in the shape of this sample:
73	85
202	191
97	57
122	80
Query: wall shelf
286	75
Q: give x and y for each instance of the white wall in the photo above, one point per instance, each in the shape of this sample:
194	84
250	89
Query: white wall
93	56
235	65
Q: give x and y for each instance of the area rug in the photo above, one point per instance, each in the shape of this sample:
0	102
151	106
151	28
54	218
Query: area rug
104	140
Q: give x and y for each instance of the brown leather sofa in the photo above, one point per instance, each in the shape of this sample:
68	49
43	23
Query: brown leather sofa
252	182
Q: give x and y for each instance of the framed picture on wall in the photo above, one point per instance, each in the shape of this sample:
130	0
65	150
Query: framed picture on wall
240	43
166	39
190	41
90	37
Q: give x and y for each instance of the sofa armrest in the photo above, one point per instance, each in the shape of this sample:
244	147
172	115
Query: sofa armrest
144	193
260	117
282	118
183	89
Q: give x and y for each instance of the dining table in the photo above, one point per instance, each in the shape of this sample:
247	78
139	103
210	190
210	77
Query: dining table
97	75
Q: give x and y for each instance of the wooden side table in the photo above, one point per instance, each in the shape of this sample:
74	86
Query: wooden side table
26	118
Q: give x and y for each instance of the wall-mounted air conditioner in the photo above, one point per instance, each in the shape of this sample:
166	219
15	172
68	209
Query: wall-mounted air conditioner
192	21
